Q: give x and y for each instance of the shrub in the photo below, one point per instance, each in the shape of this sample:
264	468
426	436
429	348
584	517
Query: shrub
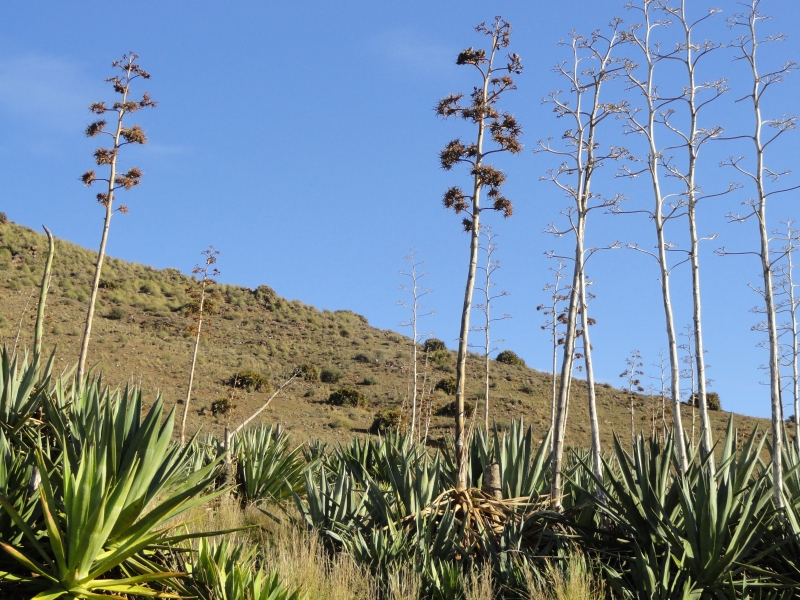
440	358
449	409
342	423
509	357
362	358
433	345
309	372
387	420
526	389
344	332
330	375
116	314
712	400
347	396
447	385
370	381
250	380
106	284
222	406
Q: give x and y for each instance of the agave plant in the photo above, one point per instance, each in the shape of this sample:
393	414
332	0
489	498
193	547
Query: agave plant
228	571
267	468
122	480
23	388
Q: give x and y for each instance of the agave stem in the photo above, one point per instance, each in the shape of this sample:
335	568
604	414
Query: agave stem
37	340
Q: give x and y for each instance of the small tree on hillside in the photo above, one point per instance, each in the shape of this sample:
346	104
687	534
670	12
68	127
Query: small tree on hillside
107	157
201	305
488	269
505	132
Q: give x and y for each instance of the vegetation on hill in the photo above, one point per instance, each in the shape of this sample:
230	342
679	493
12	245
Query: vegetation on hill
144	337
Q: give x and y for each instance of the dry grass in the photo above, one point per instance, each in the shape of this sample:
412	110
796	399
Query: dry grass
404	584
478	585
571	580
302	562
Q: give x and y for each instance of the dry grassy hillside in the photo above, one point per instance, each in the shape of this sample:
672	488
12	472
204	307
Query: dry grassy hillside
141	335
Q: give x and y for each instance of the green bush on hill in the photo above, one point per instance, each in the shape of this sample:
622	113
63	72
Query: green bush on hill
331	375
387	420
347	396
250	380
447	385
509	357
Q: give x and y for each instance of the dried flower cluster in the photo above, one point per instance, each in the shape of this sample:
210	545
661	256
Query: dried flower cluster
481	110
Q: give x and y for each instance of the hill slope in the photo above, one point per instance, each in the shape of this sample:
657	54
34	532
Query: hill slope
145	339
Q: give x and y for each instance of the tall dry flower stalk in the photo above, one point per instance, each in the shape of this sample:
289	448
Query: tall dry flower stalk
504	131
120	135
555	318
490	266
690	136
417	292
201	305
641	75
592	65
632	375
765	180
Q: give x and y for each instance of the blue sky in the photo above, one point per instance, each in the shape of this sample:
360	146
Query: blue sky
300	140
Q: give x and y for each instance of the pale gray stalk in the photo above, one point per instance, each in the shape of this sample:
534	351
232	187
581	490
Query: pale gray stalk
490	267
580	159
748	45
662	211
43	288
556	298
689	54
416	292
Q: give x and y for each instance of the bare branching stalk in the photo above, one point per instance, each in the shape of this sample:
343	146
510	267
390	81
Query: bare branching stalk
43	288
632	377
692	139
554	318
292	378
505	132
642	80
592	65
107	157
490	267
689	373
417	292
764	177
785	285
198	310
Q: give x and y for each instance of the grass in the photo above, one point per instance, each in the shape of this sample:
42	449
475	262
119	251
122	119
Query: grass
257	330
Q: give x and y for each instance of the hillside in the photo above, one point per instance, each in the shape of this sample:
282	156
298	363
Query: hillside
145	339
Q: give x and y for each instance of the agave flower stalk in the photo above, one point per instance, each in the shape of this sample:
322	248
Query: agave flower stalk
666	208
39	329
505	132
202	305
107	157
592	65
763	179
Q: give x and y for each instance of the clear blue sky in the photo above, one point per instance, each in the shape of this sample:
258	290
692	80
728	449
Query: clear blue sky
300	140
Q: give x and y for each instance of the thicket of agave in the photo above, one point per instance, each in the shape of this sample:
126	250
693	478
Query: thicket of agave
93	488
